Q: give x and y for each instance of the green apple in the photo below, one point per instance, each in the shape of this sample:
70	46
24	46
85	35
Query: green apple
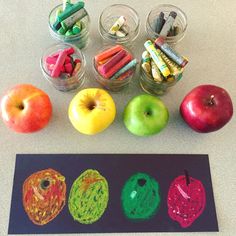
145	115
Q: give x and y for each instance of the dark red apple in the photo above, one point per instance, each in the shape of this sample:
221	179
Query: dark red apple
207	108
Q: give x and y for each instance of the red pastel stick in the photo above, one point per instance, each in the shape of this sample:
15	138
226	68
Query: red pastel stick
108	53
53	60
114	60
117	67
68	51
60	61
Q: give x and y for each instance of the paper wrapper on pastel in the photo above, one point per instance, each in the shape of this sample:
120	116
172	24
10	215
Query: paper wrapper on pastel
44	195
88	197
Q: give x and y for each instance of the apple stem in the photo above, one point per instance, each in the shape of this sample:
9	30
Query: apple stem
187	177
211	102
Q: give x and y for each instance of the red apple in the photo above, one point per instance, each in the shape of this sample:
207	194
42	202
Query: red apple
207	108
25	108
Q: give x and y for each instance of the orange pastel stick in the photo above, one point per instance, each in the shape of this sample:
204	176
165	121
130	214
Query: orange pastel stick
108	53
116	67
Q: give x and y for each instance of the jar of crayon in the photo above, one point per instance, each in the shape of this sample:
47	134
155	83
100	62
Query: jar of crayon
114	67
63	66
119	24
70	23
167	21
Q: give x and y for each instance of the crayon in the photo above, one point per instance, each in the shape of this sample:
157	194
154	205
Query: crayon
168	24
108	53
112	62
127	67
146	67
155	54
171	53
117	67
77	68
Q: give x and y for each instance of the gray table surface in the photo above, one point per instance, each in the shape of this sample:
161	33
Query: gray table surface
210	46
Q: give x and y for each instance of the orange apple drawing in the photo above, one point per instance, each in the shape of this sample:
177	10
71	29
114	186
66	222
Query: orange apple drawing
25	108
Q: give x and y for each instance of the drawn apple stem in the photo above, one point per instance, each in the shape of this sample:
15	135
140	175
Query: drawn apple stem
187	177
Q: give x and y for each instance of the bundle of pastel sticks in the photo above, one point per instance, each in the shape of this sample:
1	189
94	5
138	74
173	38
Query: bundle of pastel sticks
115	63
161	62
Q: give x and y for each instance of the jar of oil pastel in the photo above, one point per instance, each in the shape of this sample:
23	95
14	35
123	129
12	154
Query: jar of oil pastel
119	24
167	21
161	68
70	23
114	67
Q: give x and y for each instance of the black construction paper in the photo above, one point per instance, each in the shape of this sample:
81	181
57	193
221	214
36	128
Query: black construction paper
116	168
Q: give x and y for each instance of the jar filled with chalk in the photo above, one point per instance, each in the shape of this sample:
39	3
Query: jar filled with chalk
63	66
167	21
161	67
119	24
114	67
70	22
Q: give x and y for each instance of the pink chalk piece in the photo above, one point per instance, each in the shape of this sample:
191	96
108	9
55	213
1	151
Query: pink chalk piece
69	51
77	68
68	68
59	63
116	67
51	60
113	61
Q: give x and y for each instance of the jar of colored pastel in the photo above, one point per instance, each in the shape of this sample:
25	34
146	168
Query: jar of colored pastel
161	67
167	21
63	66
114	67
119	24
70	23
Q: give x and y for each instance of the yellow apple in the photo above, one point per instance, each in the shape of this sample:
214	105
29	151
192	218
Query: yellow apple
92	110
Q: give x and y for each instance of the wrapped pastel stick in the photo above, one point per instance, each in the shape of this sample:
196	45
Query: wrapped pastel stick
117	25
155	54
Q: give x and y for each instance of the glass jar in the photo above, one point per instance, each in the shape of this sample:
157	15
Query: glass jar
62	83
149	85
80	40
113	85
110	15
180	22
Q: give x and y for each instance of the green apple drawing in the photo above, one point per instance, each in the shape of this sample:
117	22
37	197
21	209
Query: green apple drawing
145	115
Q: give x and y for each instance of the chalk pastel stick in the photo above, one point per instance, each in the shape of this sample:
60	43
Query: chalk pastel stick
168	24
108	53
124	69
113	61
69	51
125	75
53	60
117	67
60	61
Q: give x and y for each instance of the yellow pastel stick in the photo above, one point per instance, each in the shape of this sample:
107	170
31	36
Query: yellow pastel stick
156	56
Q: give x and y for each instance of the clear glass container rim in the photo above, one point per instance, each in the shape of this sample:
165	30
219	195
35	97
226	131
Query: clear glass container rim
168	5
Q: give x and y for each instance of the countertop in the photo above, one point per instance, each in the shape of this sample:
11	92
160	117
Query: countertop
210	47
